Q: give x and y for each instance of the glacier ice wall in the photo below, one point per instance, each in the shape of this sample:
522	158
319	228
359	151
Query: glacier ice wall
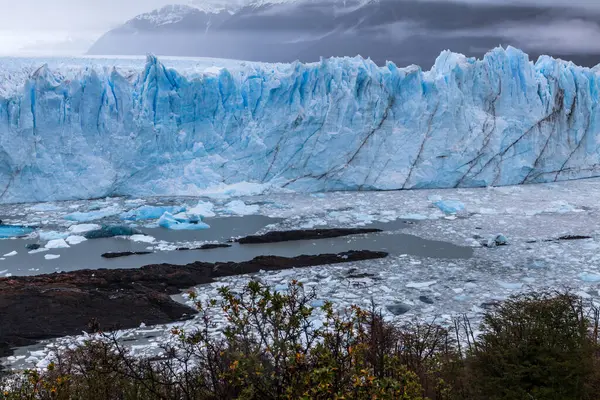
341	124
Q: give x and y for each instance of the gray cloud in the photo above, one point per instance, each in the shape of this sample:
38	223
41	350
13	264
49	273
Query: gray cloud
67	26
565	37
592	5
71	14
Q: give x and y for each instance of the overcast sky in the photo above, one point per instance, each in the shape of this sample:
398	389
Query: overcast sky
70	26
26	25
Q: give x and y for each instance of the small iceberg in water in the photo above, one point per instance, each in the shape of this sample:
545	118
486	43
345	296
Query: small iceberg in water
10	231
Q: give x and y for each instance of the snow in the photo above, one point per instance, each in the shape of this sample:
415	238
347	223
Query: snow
169	14
51	256
240	208
57	244
11	254
141	129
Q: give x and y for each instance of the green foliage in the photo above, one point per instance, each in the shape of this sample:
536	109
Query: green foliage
536	346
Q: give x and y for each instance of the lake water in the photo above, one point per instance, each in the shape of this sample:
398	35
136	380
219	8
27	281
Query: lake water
87	255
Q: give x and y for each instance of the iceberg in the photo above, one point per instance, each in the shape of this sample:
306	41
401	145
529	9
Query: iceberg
149	212
57	244
450	207
109	231
169	221
92	215
203	209
9	231
240	208
88	128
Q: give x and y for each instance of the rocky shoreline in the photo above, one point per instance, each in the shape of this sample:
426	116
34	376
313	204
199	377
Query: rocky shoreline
35	308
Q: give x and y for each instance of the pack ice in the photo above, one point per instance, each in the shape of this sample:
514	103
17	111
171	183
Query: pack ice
87	128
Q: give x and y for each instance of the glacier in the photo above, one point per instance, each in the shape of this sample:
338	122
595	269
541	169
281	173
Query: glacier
89	128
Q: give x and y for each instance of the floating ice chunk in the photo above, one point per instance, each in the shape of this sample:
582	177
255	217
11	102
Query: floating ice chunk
240	208
57	244
203	209
111	231
142	238
510	286
589	277
75	240
498	240
168	221
398	309
462	297
281	288
562	207
501	240
44	207
3	272
83	228
51	256
317	303
46	236
236	190
450	207
92	215
11	254
414	217
42	250
9	231
150	212
420	285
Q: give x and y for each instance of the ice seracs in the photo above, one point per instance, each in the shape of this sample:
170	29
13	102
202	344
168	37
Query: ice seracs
339	124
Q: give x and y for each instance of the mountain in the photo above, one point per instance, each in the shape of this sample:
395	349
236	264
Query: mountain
403	31
89	128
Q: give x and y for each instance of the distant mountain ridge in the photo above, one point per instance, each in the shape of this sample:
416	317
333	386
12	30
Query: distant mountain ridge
403	31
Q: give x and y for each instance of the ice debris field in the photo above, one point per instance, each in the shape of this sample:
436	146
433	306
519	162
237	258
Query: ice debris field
523	238
89	128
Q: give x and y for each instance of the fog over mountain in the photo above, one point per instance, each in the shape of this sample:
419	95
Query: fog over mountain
403	31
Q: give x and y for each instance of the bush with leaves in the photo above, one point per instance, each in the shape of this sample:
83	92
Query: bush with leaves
537	346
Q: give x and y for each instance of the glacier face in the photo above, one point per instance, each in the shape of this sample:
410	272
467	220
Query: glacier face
91	130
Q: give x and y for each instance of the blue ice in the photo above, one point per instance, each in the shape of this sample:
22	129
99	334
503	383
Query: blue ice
149	212
9	231
337	124
169	221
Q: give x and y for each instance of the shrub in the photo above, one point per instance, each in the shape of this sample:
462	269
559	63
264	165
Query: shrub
536	346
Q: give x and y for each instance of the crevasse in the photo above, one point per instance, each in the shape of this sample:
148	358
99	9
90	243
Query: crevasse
89	131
